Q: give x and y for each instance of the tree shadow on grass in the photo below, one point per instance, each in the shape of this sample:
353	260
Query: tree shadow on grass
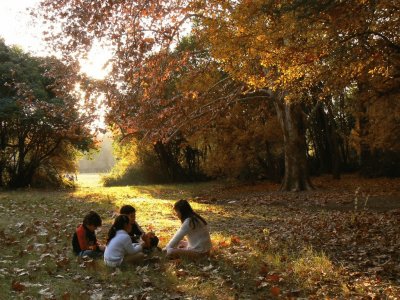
260	251
266	249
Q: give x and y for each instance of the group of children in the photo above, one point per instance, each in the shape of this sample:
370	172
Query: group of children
127	241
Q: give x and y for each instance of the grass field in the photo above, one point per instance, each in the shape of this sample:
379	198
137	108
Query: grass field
89	180
266	244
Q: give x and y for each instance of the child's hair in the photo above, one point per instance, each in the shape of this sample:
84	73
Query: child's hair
119	223
186	211
92	218
127	210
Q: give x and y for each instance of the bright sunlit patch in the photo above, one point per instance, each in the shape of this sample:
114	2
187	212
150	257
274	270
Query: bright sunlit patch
311	266
95	65
17	27
100	111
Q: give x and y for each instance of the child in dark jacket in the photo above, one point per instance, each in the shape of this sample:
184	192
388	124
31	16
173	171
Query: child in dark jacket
84	241
137	232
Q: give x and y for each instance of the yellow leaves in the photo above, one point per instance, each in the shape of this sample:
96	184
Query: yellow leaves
379	71
253	52
261	38
240	30
289	77
299	47
256	81
192	95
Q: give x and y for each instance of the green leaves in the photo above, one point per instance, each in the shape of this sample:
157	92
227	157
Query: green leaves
41	127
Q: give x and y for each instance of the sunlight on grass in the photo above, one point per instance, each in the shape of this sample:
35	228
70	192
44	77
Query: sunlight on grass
247	261
234	263
312	267
89	180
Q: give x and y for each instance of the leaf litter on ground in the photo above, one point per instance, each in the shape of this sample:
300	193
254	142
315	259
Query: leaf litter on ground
266	244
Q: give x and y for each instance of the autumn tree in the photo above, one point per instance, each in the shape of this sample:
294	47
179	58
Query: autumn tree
41	128
284	49
208	123
295	47
161	105
163	21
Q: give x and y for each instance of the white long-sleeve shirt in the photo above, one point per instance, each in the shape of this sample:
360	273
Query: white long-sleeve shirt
119	246
198	237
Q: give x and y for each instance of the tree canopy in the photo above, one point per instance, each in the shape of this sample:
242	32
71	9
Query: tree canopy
309	59
41	127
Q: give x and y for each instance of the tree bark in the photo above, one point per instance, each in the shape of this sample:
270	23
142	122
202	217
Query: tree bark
365	149
169	163
291	118
363	124
334	144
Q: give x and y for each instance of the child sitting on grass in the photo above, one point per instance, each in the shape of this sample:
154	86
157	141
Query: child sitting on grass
137	233
195	228
84	241
120	248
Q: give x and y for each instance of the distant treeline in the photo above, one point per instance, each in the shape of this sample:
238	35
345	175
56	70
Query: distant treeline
101	161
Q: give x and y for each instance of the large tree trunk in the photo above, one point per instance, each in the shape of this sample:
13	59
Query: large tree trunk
365	150
293	127
2	168
270	164
333	143
19	175
362	125
169	162
192	162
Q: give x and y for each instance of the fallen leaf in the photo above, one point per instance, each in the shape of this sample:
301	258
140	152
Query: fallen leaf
181	273
235	240
273	278
275	291
17	286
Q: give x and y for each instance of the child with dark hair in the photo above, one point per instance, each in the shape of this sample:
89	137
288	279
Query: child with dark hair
84	241
195	228
120	248
137	233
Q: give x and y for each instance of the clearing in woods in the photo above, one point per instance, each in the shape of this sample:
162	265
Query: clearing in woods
341	241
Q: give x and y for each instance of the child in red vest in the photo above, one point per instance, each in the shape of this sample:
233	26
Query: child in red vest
84	241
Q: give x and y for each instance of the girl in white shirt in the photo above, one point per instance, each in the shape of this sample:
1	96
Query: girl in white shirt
119	248
196	230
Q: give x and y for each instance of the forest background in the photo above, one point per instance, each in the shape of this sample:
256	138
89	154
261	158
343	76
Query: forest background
248	90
